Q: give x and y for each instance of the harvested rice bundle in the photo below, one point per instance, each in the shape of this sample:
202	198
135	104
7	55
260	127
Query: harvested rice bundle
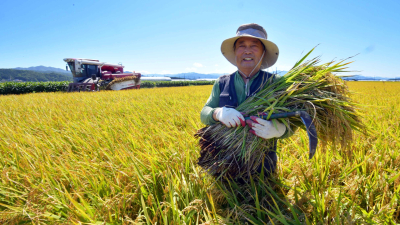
306	87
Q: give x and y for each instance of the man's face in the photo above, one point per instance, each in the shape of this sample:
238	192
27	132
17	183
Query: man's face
248	53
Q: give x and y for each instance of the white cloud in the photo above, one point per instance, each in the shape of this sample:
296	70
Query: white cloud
216	65
197	65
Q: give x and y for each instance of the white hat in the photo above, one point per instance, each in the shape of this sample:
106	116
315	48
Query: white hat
255	31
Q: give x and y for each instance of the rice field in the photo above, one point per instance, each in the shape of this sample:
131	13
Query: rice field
129	157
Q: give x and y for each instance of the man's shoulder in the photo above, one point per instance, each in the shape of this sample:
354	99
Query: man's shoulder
225	77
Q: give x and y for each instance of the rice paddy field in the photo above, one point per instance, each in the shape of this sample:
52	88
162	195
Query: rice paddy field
129	157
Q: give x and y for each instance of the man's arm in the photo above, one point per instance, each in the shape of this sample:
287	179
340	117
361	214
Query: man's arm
207	114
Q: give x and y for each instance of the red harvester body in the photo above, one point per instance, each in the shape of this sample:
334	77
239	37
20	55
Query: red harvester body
87	73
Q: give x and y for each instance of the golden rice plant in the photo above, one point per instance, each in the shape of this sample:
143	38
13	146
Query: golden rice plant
129	157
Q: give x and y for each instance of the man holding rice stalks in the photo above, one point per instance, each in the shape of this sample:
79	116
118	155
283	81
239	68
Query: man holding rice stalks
309	96
250	52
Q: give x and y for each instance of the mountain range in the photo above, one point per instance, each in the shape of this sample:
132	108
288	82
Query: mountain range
190	76
194	76
359	77
34	76
45	69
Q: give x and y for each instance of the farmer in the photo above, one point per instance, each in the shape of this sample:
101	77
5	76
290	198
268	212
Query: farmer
250	52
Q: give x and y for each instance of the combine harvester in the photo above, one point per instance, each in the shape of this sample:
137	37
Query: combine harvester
92	75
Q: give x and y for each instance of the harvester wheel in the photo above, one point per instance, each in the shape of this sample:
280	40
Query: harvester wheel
103	84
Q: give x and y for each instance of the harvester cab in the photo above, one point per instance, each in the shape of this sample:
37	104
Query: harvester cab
92	75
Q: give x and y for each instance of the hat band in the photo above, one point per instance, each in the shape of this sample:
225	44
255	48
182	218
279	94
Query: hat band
252	32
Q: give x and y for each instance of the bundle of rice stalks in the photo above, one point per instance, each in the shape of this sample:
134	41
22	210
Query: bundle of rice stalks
308	87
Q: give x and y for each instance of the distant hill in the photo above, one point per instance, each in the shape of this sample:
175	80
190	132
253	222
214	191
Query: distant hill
280	72
194	76
47	73
359	77
190	76
29	75
46	69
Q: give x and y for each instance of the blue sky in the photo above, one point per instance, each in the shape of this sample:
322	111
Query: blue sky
185	36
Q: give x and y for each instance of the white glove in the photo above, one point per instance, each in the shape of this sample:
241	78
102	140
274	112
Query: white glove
264	128
230	117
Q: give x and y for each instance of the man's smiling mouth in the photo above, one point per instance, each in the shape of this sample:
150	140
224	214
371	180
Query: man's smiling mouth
247	59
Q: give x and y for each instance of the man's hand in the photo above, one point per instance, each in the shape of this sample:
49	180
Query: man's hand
264	128
229	117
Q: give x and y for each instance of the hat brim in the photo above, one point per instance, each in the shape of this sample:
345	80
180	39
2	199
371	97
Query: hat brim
270	57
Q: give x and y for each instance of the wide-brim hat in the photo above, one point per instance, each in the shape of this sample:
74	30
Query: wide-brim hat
255	31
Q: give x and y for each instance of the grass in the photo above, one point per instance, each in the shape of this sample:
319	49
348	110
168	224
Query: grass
129	157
